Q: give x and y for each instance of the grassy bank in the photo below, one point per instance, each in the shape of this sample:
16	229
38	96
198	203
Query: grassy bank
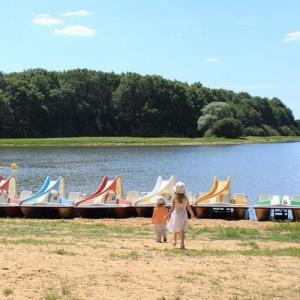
118	259
138	141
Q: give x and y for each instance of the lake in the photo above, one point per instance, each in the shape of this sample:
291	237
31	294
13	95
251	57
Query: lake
254	169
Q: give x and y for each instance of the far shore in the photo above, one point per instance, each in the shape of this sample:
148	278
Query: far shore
140	141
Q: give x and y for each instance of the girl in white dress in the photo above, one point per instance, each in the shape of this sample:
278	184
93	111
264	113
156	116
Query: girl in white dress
179	218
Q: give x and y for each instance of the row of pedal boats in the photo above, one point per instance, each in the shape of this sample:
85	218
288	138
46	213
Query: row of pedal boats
108	200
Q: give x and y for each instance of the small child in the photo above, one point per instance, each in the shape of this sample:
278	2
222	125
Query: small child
159	219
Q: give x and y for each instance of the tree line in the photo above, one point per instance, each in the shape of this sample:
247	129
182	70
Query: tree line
81	102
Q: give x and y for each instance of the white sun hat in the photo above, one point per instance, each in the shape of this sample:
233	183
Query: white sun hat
160	200
179	188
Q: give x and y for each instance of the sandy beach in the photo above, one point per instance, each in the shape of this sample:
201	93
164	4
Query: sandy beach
119	259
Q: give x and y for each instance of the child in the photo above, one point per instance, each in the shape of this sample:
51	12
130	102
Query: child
178	213
159	219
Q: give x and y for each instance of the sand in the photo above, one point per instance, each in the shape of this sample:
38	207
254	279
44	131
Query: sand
139	268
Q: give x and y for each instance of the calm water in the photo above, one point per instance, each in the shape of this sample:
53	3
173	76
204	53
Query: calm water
254	169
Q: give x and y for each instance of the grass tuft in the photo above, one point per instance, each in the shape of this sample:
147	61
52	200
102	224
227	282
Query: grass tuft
231	233
7	292
62	252
133	255
196	253
284	232
65	286
50	294
291	251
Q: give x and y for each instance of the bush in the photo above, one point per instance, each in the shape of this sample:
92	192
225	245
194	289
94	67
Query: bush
254	131
269	131
208	133
228	127
285	130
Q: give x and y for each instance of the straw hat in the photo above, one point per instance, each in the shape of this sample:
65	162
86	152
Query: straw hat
160	200
179	188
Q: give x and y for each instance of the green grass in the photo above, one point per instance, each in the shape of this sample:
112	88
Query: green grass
290	251
280	232
284	232
62	251
7	292
225	233
254	251
133	255
71	232
43	232
196	253
139	141
50	294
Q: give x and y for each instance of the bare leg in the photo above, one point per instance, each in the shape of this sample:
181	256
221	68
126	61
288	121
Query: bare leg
182	236
164	234
175	239
157	233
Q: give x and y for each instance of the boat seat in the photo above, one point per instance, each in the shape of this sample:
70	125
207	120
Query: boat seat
265	197
227	198
54	199
99	199
276	200
3	196
74	196
42	199
240	196
213	200
24	195
286	200
112	199
295	200
132	196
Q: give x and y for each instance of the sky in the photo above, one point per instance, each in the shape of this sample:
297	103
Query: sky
241	45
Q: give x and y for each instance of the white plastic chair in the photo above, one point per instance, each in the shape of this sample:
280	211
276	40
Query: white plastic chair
240	196
295	197
213	200
286	200
132	196
3	196
227	198
276	200
265	197
112	199
25	194
74	196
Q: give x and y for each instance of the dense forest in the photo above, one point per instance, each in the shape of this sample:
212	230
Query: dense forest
39	103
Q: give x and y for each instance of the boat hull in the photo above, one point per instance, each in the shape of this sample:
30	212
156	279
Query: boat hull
296	214
262	213
221	211
124	212
11	211
66	212
95	212
34	211
144	211
201	212
240	213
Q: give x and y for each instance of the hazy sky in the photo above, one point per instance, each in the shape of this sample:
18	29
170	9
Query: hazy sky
242	45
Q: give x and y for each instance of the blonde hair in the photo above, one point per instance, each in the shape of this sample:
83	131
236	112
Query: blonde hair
180	197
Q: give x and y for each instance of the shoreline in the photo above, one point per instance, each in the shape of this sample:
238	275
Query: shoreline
140	142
